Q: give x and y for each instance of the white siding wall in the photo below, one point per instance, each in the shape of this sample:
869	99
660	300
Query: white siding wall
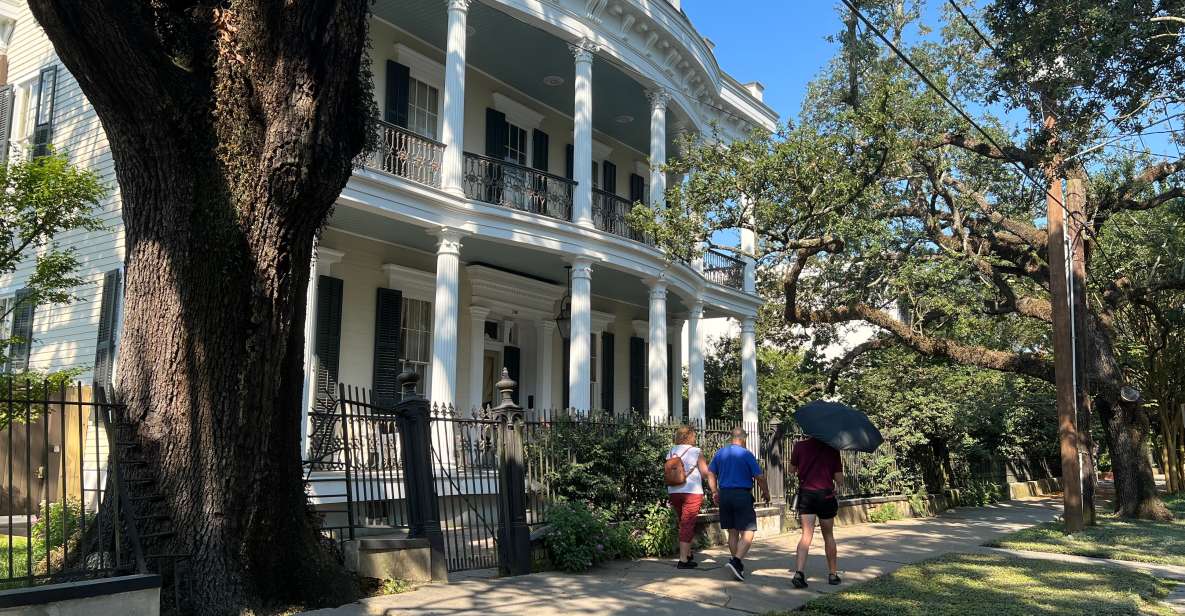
65	334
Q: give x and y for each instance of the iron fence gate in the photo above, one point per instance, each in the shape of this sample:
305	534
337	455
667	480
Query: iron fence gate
465	467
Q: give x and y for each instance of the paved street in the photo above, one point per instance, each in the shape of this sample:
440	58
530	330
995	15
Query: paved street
656	587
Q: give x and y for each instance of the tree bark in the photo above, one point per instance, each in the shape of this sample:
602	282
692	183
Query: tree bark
1126	427
232	128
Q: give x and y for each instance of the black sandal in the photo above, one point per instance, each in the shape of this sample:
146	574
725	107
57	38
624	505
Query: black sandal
799	580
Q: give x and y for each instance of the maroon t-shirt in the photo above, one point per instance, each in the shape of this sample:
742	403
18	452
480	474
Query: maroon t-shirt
816	464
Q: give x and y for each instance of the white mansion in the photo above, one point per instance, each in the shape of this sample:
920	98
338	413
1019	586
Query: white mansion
489	230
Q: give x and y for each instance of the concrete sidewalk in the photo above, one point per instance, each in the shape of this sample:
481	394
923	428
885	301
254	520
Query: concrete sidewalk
656	587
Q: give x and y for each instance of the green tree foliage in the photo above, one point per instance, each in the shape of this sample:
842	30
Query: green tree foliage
882	205
948	420
41	199
780	373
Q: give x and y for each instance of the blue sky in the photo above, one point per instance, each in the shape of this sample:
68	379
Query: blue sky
781	43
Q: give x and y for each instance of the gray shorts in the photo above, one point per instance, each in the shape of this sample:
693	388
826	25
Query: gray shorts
736	509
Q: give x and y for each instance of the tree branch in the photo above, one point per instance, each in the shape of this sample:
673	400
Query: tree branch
985	149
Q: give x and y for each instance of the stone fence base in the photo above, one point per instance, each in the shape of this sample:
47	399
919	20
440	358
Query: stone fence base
131	595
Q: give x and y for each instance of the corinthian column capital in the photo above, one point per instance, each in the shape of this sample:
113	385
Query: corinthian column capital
583	49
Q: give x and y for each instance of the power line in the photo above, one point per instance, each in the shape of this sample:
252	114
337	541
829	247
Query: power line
953	105
974	27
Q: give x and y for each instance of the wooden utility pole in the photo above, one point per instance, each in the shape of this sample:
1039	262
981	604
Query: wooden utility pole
1076	226
1063	355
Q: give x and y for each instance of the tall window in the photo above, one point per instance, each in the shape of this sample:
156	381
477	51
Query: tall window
415	347
594	397
516	144
422	108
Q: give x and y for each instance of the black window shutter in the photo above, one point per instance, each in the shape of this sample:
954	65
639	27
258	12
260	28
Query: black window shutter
539	146
609	177
569	162
6	100
607	372
108	317
387	318
495	134
328	340
673	405
566	370
512	362
22	332
637	188
637	374
43	121
398	90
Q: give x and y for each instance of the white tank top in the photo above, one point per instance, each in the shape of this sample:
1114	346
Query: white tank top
690	456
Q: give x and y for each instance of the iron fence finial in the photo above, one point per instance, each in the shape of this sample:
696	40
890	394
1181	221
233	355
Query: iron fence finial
407	381
506	387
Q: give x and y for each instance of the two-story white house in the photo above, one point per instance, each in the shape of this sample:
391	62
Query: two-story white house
489	229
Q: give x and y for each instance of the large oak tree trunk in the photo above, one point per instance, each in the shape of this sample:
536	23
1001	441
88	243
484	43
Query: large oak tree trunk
232	130
1126	427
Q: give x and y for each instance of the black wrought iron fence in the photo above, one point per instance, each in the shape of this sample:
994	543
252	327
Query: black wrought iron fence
517	187
610	214
724	270
65	513
470	480
403	153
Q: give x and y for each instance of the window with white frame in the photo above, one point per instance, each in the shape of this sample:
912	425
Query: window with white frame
33	107
516	144
423	111
415	340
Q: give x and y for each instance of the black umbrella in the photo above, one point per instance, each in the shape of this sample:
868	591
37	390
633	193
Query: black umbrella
839	425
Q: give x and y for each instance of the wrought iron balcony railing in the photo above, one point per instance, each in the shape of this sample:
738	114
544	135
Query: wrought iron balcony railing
517	187
724	270
610	212
403	153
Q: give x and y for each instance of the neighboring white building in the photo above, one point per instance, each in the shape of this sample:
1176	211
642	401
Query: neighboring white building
516	134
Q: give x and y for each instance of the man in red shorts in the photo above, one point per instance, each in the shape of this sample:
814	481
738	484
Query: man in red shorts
819	471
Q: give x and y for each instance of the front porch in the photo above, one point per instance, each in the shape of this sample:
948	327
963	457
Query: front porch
379	307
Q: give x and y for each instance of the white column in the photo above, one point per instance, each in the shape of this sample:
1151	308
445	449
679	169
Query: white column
477	347
658	351
696	410
445	316
579	353
453	130
749	379
675	336
544	366
582	50
749	247
322	262
658	146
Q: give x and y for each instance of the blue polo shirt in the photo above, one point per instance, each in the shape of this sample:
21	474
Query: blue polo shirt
735	467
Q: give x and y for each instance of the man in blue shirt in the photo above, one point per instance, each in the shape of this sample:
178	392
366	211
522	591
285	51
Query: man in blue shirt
730	476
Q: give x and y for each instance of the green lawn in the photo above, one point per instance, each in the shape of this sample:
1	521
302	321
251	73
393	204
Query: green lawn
1150	542
20	561
998	585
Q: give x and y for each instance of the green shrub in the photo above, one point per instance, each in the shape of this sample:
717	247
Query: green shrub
658	531
918	503
613	465
979	493
885	513
580	537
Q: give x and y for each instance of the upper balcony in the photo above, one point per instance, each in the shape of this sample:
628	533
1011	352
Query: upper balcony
533	110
